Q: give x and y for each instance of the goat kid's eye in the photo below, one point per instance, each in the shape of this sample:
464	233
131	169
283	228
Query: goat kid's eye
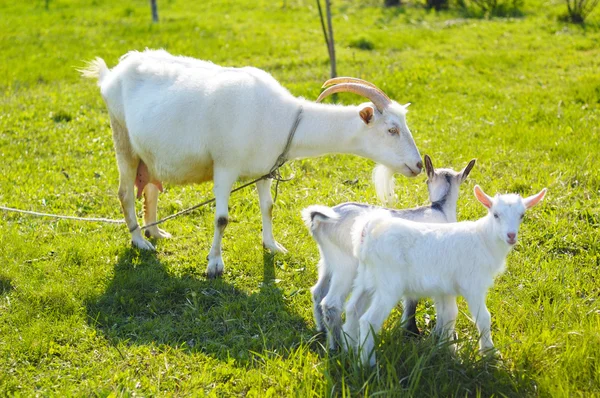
393	131
496	215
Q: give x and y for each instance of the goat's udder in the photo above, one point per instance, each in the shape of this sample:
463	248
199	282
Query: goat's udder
143	178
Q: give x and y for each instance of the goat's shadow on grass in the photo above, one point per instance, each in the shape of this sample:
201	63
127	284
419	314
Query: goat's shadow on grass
425	366
145	303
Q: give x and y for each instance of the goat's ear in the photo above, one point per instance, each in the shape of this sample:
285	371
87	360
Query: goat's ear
534	199
482	197
429	166
465	172
366	114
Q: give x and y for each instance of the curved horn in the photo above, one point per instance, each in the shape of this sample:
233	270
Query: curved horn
339	80
379	100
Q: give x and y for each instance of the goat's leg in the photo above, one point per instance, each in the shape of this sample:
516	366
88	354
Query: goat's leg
483	320
224	180
370	324
266	210
333	304
408	315
127	163
150	205
355	308
446	312
319	290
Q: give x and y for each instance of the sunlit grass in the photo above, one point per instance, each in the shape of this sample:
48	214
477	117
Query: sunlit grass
82	313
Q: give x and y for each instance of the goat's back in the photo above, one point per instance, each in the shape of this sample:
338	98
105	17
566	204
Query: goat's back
184	117
425	259
339	232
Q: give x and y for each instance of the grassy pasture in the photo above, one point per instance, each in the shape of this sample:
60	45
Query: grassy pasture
82	313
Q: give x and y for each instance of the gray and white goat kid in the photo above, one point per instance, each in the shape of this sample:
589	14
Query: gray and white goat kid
331	227
182	120
399	258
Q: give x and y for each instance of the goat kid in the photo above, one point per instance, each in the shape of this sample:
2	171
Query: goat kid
402	258
181	120
331	227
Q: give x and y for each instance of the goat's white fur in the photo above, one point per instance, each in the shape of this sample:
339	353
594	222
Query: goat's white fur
384	184
399	257
331	228
191	121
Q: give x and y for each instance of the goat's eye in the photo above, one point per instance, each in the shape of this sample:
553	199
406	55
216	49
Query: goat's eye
393	131
496	215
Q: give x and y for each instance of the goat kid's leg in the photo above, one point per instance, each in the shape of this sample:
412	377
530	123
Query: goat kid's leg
355	308
319	290
127	164
371	322
447	312
483	320
266	210
408	315
333	304
224	180
150	205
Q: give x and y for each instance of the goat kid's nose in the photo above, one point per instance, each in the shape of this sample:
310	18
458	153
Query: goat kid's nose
511	235
420	165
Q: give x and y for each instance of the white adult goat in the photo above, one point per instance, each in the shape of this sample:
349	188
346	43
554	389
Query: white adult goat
182	120
331	227
402	258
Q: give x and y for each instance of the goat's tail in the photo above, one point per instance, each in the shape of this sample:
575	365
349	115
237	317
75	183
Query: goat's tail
362	232
383	177
316	214
95	69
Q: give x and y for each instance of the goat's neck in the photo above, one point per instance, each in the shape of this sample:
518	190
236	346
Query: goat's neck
497	248
447	204
327	129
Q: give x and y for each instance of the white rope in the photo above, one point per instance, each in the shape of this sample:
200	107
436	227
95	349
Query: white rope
35	213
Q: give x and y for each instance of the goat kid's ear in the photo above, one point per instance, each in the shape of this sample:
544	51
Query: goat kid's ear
429	166
465	172
366	114
482	197
534	199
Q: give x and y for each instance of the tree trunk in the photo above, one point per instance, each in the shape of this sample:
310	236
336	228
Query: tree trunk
154	10
331	42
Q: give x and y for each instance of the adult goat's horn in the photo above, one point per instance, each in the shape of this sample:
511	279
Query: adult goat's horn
379	99
339	80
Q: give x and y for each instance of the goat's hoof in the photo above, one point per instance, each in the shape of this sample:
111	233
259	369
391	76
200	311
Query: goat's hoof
214	275
215	267
491	353
142	244
157	233
274	247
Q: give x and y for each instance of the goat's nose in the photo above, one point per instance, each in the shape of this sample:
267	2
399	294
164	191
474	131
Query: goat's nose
511	235
420	165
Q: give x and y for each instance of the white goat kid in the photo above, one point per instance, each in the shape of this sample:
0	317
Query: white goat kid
182	120
402	258
331	227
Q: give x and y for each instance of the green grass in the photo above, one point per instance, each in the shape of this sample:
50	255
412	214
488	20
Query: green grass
82	313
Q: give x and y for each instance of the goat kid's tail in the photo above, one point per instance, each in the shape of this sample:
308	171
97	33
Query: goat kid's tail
314	215
362	232
95	69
